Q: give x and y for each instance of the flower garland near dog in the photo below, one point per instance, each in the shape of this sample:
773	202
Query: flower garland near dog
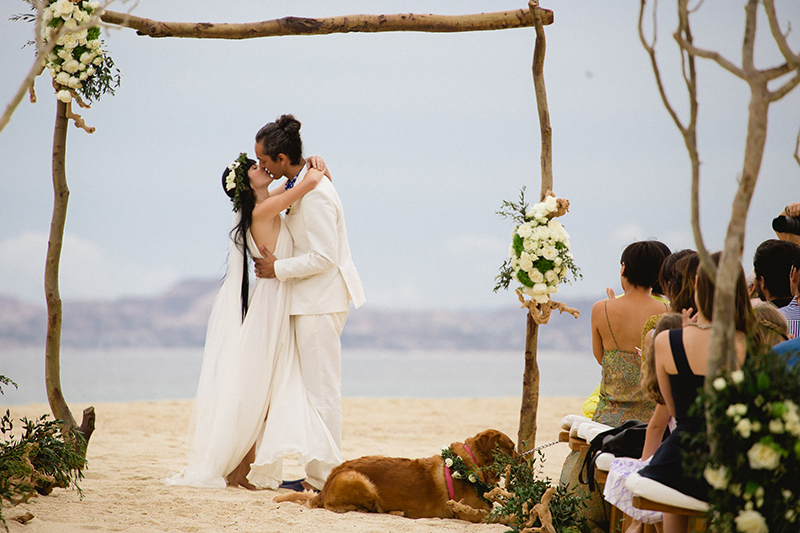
755	427
460	470
539	255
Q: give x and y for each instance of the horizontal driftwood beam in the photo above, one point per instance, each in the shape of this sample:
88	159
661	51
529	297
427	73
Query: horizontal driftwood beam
519	18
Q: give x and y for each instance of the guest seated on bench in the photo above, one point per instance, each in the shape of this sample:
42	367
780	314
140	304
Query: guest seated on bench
681	358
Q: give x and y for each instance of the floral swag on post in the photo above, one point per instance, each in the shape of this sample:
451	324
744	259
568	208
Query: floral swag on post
539	255
81	70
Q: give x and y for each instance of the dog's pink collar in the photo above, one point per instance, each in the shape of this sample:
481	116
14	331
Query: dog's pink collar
449	480
471	455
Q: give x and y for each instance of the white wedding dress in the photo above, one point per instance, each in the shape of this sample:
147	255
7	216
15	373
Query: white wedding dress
251	388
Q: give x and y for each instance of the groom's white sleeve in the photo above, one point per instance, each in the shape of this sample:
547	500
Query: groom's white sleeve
321	229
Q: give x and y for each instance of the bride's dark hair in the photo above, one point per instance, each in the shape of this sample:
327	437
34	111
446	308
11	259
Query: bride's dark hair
282	137
247	199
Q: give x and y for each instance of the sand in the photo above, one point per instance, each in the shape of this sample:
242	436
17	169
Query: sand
137	445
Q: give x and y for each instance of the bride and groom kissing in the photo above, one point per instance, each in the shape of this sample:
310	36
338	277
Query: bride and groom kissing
270	383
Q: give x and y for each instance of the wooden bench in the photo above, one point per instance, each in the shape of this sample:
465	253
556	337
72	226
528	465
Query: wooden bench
697	520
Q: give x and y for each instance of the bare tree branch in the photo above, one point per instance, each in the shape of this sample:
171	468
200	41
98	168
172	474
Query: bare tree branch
519	18
650	48
707	54
777	72
749	41
780	39
783	91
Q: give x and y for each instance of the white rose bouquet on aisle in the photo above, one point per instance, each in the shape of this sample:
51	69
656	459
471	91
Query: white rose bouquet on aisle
539	255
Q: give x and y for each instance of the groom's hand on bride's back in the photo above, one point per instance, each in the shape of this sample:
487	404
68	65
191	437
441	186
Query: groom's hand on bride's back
265	267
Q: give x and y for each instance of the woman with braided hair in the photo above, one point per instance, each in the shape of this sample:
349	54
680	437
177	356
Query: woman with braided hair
249	365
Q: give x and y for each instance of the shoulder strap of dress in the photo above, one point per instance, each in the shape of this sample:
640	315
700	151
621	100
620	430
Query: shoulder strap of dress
678	352
605	306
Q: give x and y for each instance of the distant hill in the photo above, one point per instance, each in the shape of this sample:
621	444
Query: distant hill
179	316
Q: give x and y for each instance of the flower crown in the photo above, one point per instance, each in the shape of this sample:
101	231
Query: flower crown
236	180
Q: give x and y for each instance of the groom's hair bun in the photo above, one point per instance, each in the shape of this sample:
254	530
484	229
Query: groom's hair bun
282	137
289	124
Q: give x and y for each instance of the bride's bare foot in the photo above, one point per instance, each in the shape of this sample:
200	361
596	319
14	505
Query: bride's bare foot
242	482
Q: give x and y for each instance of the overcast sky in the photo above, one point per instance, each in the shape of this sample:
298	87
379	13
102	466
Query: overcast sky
425	134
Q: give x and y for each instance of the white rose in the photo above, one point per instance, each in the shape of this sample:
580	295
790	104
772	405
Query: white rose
94	5
63	53
737	376
540	293
525	262
762	457
71	66
90	71
525	230
744	427
68	41
81	36
94	44
551	276
64	96
63	8
62	78
47	16
776	426
720	384
550	204
472	478
558	261
83	75
717	477
97	61
750	522
71	24
552	289
536	276
550	253
456	475
75	83
741	409
448	462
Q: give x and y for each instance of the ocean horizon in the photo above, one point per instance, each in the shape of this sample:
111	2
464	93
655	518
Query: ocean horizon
146	374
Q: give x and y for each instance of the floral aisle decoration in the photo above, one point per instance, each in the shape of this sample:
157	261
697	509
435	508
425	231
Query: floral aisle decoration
539	256
80	68
754	434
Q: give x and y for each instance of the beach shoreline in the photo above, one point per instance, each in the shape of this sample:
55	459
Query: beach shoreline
136	445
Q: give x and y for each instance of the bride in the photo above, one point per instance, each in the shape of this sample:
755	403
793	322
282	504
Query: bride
251	407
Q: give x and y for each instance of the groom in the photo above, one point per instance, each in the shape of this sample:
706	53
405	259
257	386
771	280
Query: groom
322	273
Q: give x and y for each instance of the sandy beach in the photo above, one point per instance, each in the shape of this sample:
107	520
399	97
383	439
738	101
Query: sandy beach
137	445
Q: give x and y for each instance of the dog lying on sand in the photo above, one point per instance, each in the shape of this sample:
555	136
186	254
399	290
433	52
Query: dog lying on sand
415	488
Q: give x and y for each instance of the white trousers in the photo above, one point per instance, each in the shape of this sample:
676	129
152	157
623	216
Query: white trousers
320	351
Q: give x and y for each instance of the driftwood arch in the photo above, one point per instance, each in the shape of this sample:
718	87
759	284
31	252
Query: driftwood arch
533	16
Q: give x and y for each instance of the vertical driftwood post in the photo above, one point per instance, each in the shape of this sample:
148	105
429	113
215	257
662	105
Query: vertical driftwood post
58	404
526	435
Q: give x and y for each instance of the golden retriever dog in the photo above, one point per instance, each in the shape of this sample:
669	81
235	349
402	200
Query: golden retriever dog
415	488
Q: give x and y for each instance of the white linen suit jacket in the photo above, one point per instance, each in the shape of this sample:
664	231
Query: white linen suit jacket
323	276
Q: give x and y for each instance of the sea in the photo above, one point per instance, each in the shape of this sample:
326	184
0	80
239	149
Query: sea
145	374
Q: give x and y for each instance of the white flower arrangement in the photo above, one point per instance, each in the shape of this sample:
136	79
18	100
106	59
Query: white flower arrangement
77	62
754	434
539	255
